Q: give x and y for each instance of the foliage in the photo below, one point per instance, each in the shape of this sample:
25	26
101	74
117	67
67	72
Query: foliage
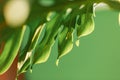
48	21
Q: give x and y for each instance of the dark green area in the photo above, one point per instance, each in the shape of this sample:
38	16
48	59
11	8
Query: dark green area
97	57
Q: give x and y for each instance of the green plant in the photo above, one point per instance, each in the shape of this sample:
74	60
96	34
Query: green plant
47	21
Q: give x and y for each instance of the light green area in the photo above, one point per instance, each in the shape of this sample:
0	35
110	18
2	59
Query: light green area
97	57
46	2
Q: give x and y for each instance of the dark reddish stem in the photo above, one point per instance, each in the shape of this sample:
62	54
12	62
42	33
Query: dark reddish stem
12	72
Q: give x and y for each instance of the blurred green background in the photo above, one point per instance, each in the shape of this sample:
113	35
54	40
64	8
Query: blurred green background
97	57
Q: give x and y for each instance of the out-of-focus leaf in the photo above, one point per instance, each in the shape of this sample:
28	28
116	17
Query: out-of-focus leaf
46	3
11	48
114	4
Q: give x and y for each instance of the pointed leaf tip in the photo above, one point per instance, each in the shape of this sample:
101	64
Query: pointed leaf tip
57	62
77	43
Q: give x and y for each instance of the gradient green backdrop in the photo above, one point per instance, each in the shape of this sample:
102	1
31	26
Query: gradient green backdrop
97	57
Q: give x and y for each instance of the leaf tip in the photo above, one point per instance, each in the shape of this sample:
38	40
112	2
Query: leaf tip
77	43
30	70
57	62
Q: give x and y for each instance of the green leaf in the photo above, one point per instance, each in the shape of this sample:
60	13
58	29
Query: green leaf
65	42
25	38
87	25
36	37
11	48
34	46
32	25
44	48
28	57
86	21
23	66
